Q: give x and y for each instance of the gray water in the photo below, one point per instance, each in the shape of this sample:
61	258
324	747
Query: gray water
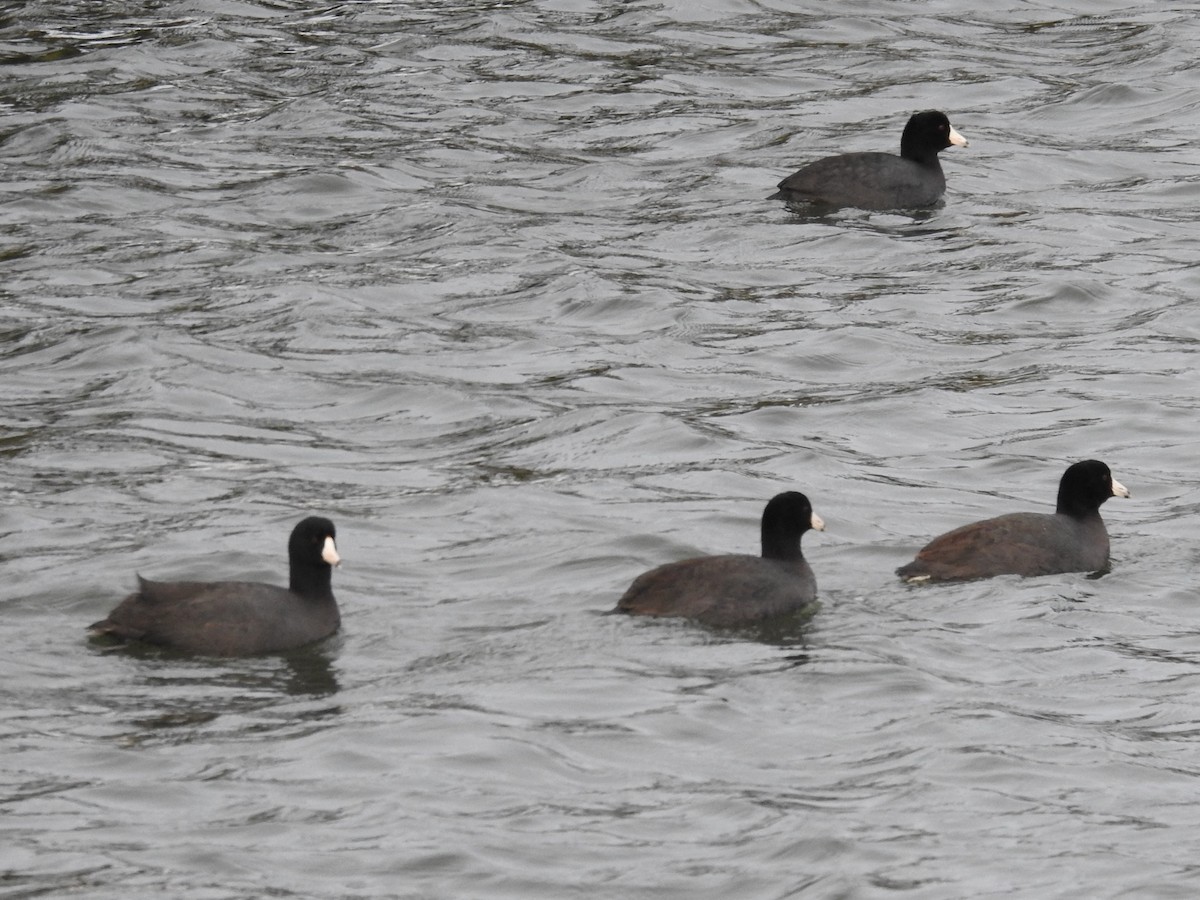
494	286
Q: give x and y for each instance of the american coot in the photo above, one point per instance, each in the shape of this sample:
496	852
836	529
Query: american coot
732	591
1072	539
238	618
911	180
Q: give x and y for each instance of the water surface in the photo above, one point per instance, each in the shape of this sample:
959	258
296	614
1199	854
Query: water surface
494	286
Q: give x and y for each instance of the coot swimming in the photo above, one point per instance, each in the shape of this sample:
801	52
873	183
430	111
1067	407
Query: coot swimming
736	590
912	180
238	618
1071	539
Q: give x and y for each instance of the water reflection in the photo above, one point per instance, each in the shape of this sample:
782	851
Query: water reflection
789	632
173	697
306	671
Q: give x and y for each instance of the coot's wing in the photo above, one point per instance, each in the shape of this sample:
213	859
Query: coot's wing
1016	544
865	181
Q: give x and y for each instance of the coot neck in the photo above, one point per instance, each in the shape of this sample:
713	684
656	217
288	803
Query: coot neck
1076	509
921	156
314	582
783	546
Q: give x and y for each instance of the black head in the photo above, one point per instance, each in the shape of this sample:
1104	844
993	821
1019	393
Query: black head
786	518
313	543
926	134
1085	486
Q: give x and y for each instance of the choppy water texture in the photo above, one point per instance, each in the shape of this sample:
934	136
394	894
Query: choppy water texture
494	286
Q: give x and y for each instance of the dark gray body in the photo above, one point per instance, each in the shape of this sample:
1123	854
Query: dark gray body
723	591
1016	544
866	181
222	618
